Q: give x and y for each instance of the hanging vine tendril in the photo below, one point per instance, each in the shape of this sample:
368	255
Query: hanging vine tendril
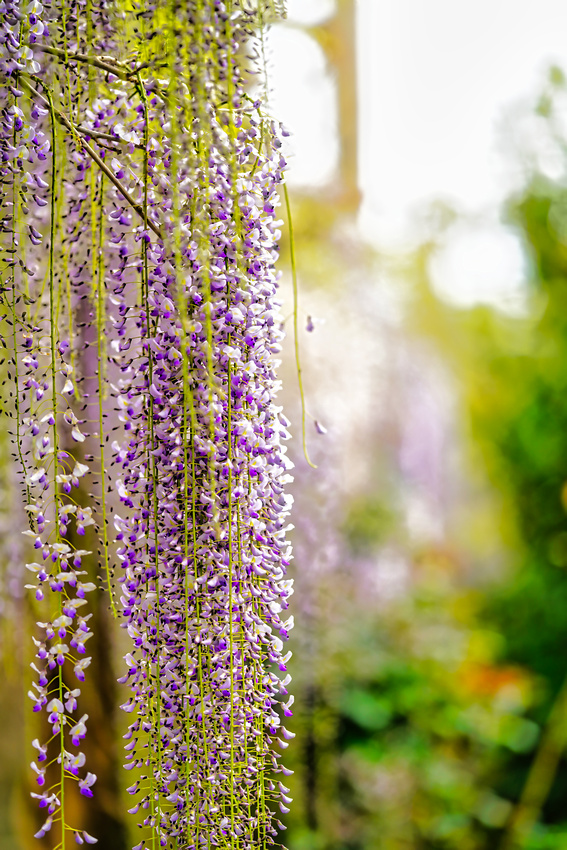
132	148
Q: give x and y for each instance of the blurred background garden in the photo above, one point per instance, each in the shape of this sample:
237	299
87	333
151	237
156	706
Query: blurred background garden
428	177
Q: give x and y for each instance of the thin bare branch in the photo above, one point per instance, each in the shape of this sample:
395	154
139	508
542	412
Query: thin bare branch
77	133
105	64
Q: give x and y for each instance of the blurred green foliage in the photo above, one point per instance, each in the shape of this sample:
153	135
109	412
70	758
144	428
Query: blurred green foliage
437	720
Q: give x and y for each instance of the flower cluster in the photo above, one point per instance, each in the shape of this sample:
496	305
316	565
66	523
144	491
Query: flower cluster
44	387
203	471
162	216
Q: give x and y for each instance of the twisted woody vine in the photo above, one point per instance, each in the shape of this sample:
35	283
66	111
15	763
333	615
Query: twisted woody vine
140	177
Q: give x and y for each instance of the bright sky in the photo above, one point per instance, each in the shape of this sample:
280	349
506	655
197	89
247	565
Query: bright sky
435	79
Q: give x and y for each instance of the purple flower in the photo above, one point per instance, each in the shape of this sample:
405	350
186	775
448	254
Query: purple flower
85	789
185	321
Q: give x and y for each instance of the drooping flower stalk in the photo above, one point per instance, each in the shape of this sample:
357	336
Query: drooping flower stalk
155	177
42	382
202	607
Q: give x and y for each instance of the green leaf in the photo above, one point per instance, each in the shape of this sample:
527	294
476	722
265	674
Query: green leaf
365	709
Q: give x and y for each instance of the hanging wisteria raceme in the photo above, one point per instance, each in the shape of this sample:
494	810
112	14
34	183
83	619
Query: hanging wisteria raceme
140	183
42	385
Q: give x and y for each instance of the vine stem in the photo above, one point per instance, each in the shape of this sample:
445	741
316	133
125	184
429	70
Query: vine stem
16	241
110	68
99	322
76	133
295	323
55	442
